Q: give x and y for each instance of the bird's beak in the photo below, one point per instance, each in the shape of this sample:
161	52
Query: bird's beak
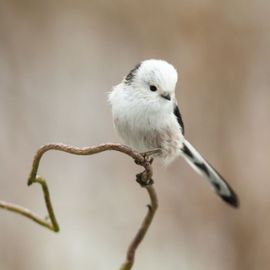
166	96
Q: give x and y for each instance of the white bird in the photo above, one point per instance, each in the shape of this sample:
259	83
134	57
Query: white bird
147	117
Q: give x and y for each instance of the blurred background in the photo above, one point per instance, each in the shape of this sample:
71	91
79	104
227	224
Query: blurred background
58	61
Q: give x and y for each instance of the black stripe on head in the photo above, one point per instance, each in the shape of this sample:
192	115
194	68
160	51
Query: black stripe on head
129	78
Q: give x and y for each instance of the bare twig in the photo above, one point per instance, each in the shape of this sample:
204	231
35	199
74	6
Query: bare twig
145	179
51	224
25	212
142	230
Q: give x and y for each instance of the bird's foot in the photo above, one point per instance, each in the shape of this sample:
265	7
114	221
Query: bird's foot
147	157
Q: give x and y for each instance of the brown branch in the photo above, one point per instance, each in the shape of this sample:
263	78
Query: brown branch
51	224
87	151
145	179
142	230
25	212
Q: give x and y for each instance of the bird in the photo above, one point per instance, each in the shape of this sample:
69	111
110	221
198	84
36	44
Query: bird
146	116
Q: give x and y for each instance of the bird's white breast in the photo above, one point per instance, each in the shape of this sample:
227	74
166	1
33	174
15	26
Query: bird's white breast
145	127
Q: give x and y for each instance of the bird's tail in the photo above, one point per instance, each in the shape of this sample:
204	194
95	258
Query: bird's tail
221	187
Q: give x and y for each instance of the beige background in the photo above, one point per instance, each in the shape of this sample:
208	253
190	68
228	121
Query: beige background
59	59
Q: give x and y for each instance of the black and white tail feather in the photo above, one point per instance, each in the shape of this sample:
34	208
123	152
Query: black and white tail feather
221	187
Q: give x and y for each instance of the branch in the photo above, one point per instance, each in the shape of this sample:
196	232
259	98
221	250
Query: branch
144	178
51	224
142	230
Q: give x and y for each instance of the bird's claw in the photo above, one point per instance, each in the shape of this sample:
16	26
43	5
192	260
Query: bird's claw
146	159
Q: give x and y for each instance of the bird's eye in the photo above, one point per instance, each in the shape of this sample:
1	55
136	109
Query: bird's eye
153	88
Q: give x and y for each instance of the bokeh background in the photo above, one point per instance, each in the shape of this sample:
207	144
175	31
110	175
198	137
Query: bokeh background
59	59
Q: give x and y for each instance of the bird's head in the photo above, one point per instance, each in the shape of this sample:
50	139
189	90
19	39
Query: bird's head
153	80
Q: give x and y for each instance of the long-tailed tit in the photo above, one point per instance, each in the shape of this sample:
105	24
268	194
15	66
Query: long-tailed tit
147	117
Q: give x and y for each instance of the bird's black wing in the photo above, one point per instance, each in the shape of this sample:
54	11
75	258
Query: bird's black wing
178	115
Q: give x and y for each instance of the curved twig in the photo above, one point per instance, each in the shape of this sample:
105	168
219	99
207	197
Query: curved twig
142	230
25	212
50	224
141	159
